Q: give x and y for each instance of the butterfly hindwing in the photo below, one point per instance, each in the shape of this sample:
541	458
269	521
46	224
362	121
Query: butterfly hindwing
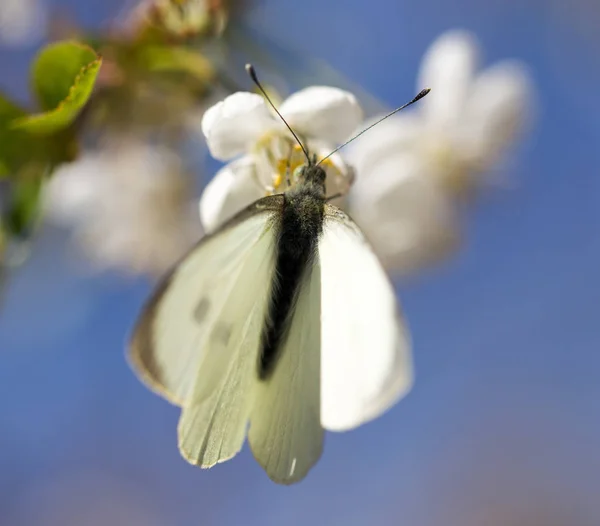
285	433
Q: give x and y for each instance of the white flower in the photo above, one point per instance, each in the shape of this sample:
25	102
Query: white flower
243	126
129	205
414	168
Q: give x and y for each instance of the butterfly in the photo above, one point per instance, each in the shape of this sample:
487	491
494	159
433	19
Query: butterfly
281	324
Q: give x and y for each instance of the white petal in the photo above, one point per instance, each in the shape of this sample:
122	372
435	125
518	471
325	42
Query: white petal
387	138
233	126
232	189
498	109
404	214
73	189
323	113
448	68
128	205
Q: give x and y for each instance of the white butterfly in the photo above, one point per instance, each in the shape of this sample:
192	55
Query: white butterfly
279	325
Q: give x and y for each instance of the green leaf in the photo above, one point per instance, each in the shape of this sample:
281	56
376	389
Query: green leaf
8	110
24	204
63	77
19	149
14	145
57	69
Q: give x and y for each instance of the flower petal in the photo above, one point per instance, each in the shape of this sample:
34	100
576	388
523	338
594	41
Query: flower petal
387	138
128	205
322	112
498	109
232	189
404	213
72	191
232	126
448	68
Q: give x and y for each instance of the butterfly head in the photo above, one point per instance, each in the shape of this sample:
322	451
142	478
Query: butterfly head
311	173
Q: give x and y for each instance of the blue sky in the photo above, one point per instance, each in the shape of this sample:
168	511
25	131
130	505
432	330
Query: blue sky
503	424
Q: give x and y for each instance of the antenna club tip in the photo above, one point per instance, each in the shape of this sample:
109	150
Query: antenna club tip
250	70
421	94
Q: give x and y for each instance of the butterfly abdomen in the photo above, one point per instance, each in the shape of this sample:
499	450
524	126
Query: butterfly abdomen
300	227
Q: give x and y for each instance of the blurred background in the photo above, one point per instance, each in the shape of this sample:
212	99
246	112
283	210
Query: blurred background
503	425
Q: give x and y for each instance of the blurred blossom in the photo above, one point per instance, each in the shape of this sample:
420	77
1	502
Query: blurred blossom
129	204
243	125
180	19
22	22
414	168
406	217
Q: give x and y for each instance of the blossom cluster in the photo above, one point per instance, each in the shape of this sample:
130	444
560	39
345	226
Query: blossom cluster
403	182
405	178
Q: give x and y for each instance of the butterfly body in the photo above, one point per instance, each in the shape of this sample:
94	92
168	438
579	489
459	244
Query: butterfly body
300	225
279	325
276	327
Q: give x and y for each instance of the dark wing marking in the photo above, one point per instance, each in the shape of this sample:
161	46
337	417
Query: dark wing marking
141	346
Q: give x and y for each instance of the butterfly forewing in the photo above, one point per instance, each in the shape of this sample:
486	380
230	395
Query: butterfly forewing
365	356
170	338
214	420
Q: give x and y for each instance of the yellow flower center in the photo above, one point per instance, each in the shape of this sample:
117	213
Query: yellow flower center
279	158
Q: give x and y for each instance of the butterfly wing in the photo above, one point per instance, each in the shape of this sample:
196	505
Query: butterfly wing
214	421
197	344
286	436
365	357
198	338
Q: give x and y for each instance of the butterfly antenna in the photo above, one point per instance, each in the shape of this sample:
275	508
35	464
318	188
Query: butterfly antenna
252	72
421	94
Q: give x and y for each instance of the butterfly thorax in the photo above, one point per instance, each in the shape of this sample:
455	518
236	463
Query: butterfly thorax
301	224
